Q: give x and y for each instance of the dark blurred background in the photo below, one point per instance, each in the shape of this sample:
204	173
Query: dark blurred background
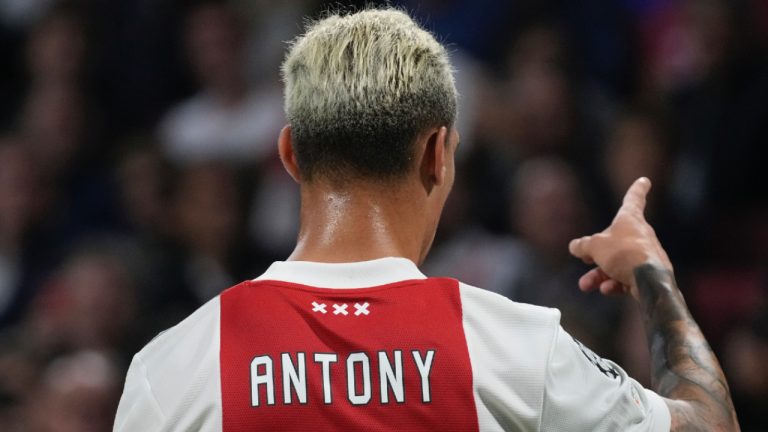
139	174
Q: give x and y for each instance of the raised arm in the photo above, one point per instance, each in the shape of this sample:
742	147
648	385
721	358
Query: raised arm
685	371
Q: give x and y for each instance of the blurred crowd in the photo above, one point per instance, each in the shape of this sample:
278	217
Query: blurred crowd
139	174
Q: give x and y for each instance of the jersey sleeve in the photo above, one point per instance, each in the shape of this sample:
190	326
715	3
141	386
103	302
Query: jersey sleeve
138	409
585	392
173	382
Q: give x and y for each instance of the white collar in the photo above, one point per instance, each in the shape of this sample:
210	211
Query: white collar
361	274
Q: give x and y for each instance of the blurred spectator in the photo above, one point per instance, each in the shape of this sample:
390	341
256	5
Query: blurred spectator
143	179
208	221
60	128
702	63
538	116
540	46
78	392
465	250
684	42
20	370
746	354
23	202
17	18
228	120
56	126
56	50
638	145
90	304
548	210
636	148
53	122
16	211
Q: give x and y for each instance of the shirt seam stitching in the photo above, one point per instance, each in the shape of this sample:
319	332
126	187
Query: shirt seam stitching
459	292
149	387
553	343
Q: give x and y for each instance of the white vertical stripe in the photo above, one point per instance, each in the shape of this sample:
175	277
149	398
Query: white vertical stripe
508	346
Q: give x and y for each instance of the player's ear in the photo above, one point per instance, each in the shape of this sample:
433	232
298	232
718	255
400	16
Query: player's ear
287	156
434	161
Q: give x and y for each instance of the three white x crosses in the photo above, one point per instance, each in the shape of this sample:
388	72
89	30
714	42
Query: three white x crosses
341	308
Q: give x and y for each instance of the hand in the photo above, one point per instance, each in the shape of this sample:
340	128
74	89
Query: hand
626	244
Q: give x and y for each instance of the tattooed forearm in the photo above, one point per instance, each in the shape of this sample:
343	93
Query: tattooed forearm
683	367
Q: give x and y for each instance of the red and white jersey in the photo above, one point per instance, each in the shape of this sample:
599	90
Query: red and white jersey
375	346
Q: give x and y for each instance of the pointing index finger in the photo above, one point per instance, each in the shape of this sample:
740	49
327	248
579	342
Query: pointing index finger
634	199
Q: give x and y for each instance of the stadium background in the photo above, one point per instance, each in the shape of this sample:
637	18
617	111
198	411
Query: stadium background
138	172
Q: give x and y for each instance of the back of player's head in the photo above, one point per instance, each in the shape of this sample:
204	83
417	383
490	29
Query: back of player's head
359	88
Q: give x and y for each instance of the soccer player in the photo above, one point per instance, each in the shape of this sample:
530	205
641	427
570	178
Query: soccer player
347	334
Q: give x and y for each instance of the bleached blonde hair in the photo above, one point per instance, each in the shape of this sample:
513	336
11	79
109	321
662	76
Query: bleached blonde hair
359	88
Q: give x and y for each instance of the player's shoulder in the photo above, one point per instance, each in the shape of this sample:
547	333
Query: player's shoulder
489	305
491	318
509	345
199	330
178	369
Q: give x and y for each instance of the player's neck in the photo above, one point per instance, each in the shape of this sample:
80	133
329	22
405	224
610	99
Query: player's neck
359	225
